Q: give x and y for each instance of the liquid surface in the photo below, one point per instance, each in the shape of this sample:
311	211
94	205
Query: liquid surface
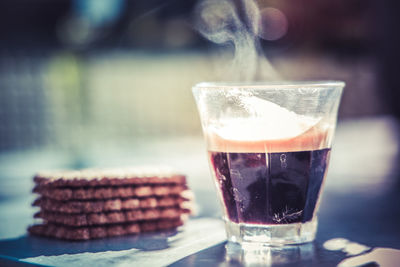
270	188
268	128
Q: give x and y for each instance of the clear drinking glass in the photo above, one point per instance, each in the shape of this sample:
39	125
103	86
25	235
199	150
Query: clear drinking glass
268	148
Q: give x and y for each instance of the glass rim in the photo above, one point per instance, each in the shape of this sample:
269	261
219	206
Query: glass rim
323	84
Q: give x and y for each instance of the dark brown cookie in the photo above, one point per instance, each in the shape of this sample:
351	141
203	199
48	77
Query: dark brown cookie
151	226
110	217
91	206
61	232
109	177
86	233
93	193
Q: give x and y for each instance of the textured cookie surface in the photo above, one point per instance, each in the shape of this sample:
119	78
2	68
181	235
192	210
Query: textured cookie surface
96	203
109	177
110	217
91	206
86	193
93	232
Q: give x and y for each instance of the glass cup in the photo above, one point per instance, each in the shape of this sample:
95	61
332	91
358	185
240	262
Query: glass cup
268	149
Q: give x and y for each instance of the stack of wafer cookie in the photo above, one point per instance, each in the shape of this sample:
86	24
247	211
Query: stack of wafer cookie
89	204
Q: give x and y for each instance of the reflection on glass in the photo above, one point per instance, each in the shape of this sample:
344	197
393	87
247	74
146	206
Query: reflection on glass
266	256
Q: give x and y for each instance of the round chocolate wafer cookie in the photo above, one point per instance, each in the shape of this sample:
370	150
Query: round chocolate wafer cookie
91	206
87	193
110	217
94	232
110	177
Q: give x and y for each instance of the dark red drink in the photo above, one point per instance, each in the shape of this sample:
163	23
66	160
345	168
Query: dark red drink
270	181
270	188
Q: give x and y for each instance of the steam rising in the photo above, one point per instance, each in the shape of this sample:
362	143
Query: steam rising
237	24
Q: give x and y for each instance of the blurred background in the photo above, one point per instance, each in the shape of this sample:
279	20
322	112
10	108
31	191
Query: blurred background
108	83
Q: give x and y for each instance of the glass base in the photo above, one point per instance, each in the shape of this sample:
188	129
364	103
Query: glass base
271	235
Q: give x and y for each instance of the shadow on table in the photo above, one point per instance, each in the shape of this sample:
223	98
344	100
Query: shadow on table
229	254
32	246
370	218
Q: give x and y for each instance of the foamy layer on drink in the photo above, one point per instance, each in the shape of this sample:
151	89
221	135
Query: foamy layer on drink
275	130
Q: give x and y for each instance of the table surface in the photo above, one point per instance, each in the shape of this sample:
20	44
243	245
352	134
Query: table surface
361	203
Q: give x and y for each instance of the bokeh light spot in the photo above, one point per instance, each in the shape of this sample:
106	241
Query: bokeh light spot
273	24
